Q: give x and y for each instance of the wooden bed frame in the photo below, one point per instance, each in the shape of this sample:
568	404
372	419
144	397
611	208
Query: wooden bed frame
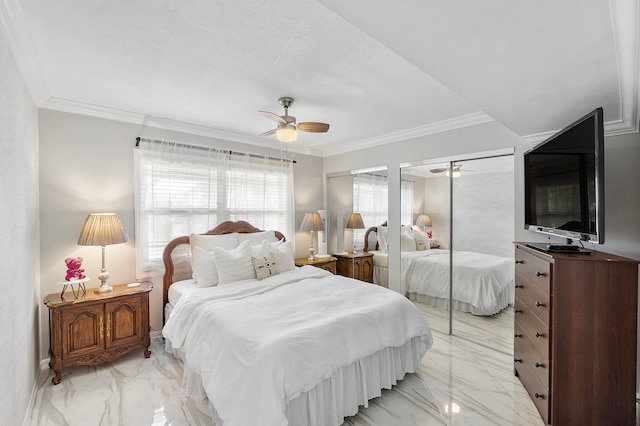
366	237
177	253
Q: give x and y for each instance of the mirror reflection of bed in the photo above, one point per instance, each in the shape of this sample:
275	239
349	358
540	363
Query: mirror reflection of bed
478	202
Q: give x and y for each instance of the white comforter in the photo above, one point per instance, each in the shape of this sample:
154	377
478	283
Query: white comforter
478	279
259	344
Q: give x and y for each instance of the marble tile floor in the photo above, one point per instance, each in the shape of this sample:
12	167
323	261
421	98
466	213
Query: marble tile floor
495	331
457	383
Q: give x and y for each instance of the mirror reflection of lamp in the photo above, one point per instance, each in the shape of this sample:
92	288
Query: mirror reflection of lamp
424	220
355	222
312	222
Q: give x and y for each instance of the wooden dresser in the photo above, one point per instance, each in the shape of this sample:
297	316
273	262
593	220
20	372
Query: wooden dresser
96	328
358	266
575	335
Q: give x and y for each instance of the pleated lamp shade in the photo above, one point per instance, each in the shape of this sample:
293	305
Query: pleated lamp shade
102	229
355	221
423	220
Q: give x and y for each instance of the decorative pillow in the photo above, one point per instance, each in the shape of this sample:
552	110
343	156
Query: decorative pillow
203	264
422	241
383	238
234	265
207	243
282	252
407	243
258	237
265	266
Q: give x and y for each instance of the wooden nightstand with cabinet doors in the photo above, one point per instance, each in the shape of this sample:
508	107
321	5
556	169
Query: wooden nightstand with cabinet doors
358	266
97	327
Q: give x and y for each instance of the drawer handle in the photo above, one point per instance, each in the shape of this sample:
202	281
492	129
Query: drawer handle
518	286
540	305
540	274
517	360
517	335
537	395
539	334
517	311
519	261
538	365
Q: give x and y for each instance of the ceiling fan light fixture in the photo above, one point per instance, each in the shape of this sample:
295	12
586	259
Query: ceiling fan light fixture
456	173
286	133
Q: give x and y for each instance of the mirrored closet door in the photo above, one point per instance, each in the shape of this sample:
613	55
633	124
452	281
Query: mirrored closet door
464	283
425	268
356	202
482	261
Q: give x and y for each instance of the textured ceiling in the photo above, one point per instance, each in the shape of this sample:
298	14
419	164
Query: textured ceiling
377	71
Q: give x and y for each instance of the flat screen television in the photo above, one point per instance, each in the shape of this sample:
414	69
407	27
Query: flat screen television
564	183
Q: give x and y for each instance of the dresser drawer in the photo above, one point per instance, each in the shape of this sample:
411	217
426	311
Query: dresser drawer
540	396
535	329
527	353
537	301
533	269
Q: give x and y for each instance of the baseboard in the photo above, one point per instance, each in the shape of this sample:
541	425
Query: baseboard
156	335
43	372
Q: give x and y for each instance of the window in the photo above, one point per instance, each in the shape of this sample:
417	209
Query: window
371	200
184	189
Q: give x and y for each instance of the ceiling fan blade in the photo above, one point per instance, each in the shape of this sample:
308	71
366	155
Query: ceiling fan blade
269	132
314	127
439	170
274	117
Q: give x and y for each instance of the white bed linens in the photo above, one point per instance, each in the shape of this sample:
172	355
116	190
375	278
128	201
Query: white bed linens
258	344
479	280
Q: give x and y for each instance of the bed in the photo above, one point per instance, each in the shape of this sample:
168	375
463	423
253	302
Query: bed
298	347
482	284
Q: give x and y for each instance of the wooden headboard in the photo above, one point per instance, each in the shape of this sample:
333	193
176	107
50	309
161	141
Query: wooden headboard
366	237
177	253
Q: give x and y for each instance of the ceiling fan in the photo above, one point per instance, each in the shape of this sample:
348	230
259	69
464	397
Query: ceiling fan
287	130
457	170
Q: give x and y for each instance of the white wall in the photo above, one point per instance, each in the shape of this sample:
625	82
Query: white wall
86	166
19	243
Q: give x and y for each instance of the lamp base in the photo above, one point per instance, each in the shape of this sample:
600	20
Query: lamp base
104	288
322	256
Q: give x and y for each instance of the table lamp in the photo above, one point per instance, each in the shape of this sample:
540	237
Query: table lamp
102	229
312	222
355	222
424	220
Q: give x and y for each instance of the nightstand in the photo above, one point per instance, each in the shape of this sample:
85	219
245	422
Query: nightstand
358	266
97	327
326	263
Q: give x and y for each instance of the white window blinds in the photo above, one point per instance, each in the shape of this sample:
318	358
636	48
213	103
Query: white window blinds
182	189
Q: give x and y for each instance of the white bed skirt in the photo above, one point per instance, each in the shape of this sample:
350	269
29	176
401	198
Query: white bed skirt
381	276
505	298
341	394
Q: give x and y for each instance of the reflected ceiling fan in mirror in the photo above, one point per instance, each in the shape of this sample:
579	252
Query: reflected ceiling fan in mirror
287	129
457	170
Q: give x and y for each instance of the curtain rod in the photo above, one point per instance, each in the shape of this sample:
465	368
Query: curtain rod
207	148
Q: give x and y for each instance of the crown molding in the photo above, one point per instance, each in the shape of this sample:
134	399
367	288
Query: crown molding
97	111
429	129
22	48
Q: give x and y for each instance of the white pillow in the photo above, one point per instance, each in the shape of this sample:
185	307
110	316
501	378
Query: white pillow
203	265
283	253
407	243
234	265
207	243
258	237
422	241
383	238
